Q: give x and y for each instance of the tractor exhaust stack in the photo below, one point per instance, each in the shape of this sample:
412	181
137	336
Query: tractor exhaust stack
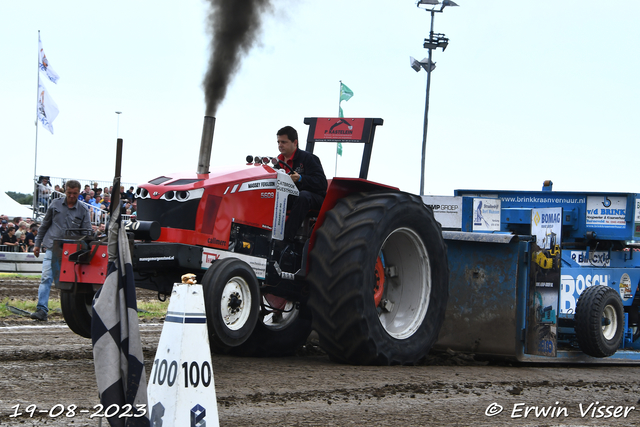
204	158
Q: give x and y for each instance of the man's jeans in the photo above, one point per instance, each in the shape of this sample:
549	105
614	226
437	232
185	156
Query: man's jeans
47	279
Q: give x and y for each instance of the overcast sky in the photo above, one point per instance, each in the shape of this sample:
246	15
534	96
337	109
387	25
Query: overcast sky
526	91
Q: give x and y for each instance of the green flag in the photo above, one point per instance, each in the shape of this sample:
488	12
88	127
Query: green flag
345	92
345	95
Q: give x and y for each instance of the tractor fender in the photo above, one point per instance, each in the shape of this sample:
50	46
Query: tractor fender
339	188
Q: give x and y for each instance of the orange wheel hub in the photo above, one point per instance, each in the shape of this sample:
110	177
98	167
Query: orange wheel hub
378	288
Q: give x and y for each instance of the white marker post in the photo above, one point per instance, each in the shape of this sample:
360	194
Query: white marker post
181	389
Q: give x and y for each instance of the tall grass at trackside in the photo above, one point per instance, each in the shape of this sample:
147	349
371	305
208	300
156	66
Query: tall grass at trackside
146	309
151	309
30	276
27	305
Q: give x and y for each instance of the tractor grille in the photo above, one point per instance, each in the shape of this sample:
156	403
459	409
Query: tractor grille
172	214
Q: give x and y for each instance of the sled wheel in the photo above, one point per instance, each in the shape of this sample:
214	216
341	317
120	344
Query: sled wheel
231	298
76	310
279	332
599	321
634	322
354	235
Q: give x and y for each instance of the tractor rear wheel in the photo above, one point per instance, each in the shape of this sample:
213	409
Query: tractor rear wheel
77	309
357	321
599	321
279	332
231	299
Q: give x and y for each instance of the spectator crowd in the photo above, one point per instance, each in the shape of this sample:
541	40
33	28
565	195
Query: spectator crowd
97	199
19	235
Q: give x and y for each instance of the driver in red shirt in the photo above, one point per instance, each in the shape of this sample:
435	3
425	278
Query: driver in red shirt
306	172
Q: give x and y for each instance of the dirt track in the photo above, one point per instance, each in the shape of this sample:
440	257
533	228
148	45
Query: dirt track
47	365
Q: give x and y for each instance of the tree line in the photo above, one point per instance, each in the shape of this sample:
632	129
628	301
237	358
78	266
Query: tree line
22	198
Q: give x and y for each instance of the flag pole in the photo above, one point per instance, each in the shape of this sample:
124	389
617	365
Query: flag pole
114	207
35	160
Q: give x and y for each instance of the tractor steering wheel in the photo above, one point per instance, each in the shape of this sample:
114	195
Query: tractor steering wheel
283	164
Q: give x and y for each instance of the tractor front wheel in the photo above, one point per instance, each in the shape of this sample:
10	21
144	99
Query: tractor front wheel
77	309
231	299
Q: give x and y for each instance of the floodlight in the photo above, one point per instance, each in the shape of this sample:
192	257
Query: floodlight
414	64
429	2
425	63
417	65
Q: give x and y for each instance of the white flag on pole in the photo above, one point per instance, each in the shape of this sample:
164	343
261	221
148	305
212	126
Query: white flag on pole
47	108
43	63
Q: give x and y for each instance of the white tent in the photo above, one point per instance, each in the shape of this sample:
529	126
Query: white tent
11	208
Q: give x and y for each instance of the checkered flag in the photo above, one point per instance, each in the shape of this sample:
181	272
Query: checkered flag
117	349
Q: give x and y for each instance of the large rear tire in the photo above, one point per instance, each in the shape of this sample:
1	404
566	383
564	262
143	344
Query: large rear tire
599	321
354	323
280	332
76	310
231	299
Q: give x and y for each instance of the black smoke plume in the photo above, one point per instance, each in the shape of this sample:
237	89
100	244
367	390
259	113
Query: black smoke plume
234	25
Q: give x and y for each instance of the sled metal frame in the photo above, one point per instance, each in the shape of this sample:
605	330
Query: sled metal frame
486	313
489	276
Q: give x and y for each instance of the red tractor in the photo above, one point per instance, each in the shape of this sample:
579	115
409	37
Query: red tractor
368	272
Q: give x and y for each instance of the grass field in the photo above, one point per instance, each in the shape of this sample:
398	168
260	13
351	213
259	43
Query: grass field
147	308
19	276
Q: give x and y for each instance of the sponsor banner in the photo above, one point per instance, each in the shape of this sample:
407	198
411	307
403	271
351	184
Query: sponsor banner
285	184
593	259
625	287
486	214
546	225
156	258
261	184
446	209
606	212
339	130
544	289
259	265
279	215
573	284
284	188
637	218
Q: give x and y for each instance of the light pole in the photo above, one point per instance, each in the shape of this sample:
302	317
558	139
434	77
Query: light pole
434	41
118	128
